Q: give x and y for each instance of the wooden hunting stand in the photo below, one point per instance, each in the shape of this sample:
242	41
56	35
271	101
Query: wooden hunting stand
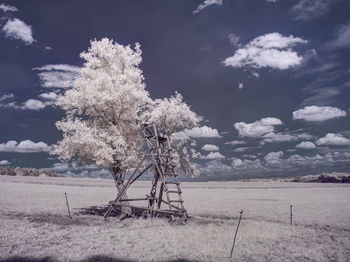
165	185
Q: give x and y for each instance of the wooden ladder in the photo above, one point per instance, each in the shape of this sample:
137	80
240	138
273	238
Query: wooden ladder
160	151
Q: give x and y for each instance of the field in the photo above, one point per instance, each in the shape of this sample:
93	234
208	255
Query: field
34	225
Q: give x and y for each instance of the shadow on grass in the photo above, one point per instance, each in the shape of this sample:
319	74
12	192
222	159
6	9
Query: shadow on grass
56	219
97	258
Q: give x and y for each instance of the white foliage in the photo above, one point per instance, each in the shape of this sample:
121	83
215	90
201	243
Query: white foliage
171	114
107	105
103	107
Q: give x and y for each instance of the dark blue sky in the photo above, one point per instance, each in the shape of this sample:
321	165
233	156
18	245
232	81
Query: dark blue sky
244	65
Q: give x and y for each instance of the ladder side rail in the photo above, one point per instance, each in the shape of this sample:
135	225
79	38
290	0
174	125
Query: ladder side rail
125	187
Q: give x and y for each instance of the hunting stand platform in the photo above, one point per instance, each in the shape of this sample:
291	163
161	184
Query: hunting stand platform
165	185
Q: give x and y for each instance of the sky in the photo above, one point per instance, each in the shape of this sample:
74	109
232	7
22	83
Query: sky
270	78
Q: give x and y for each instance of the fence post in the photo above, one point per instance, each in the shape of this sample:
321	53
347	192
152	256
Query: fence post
234	240
70	216
291	215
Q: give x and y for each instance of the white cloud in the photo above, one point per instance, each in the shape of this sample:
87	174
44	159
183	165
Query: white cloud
256	74
306	145
17	29
318	113
215	167
30	104
241	149
4	162
333	139
214	155
26	146
181	135
7	8
6	96
210	147
49	96
274	158
235	142
234	39
270	50
207	3
61	167
258	128
342	37
57	76
309	9
203	131
247	164
240	85
33	104
284	137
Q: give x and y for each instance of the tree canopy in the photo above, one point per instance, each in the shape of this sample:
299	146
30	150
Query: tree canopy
106	107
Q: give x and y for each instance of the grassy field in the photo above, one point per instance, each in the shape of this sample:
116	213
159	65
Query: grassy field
34	225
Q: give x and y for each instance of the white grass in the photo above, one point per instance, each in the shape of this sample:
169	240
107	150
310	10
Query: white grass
32	212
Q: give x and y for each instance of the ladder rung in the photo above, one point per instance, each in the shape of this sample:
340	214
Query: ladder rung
179	192
172	183
177	201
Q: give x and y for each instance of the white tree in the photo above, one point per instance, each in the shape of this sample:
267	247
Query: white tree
106	107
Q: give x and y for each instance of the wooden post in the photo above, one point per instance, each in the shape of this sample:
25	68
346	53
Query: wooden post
70	216
234	240
291	215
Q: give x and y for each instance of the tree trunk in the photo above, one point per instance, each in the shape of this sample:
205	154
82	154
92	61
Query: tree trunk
117	174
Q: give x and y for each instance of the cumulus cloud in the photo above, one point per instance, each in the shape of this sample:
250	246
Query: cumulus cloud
247	164
17	29
207	3
210	147
333	139
4	162
318	113
7	8
306	145
240	85
30	104
258	128
57	76
196	132
270	50
26	146
203	131
49	96
33	104
274	158
214	155
214	167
